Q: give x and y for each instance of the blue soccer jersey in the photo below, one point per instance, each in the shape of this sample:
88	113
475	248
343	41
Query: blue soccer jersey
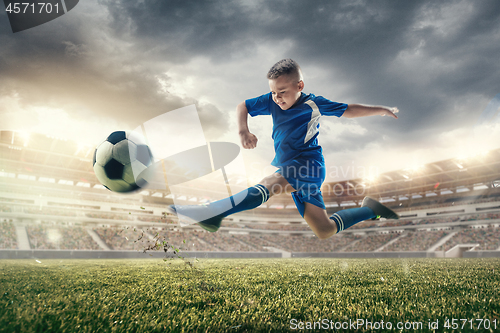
295	131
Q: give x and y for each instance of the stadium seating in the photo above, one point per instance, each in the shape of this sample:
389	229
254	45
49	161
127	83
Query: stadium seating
416	241
488	238
8	238
57	205
371	242
48	236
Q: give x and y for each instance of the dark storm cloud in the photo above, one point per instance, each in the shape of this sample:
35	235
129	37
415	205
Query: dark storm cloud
436	61
179	30
427	58
364	42
77	60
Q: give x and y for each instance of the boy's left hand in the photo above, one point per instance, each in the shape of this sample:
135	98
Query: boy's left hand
391	112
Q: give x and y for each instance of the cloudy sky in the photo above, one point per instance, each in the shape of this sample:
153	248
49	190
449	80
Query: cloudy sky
114	64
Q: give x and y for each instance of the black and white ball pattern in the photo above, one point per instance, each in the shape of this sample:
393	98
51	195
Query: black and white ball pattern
119	161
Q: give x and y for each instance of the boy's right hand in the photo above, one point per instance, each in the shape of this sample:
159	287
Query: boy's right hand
248	140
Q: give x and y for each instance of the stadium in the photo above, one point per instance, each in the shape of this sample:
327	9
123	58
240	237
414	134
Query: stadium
53	206
406	95
78	257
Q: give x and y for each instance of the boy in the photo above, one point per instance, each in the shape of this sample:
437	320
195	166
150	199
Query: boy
298	156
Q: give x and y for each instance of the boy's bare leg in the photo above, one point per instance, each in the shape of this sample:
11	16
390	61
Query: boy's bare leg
319	222
316	217
277	184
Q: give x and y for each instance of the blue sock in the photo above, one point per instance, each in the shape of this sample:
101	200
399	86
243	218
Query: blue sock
247	199
348	217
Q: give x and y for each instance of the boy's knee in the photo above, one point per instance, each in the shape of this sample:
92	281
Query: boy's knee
324	234
276	184
325	231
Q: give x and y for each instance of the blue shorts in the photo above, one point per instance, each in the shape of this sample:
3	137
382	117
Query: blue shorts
306	177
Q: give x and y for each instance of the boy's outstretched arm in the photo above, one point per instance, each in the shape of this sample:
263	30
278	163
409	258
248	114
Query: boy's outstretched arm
248	140
359	110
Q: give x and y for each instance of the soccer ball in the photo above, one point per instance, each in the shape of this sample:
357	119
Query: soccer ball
120	160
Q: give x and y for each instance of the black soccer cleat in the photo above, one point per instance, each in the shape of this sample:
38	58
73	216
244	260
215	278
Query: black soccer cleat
211	224
379	209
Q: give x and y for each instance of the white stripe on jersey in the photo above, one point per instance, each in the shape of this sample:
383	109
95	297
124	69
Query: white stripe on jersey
312	126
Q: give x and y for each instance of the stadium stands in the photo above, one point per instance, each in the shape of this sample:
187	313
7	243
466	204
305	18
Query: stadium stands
59	238
416	241
8	238
48	191
185	241
124	238
488	238
371	242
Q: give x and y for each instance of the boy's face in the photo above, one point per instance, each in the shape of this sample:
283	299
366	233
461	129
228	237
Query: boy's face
285	91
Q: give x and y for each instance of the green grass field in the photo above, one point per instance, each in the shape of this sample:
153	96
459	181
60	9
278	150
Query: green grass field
248	295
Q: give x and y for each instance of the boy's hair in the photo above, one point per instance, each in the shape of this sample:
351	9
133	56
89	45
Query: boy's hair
285	67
